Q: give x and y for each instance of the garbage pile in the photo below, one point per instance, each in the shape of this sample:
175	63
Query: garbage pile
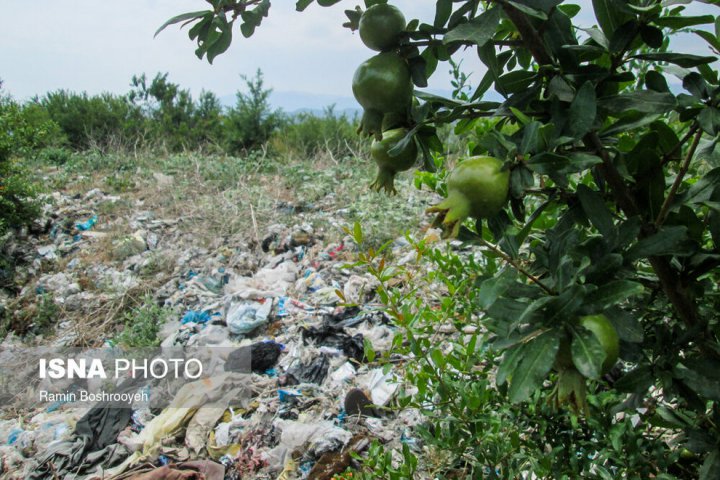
312	398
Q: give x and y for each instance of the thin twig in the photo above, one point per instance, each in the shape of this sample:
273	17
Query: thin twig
690	133
518	267
678	180
255	225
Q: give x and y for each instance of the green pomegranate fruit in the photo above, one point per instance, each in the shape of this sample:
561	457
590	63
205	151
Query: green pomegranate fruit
381	85
477	188
605	332
381	27
389	166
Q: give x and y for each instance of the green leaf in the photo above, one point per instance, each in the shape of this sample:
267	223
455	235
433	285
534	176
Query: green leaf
709	120
582	161
656	81
357	233
703	190
624	36
531	135
696	85
710	469
493	288
676	22
709	38
644	101
560	88
629	122
583	110
588	354
181	18
609	15
438	358
538	356
222	43
684	60
613	293
700	382
516	81
533	12
477	31
511	357
301	5
547	163
652	36
598	36
570	10
369	351
636	381
668	241
597	212
443	10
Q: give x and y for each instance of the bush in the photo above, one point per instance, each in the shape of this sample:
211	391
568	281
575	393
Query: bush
21	131
250	123
54	155
142	325
308	135
173	118
93	121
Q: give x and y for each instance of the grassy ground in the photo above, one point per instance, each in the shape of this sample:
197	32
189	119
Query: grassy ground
206	203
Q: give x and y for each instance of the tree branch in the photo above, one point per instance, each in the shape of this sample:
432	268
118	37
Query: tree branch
678	180
678	295
678	146
531	38
517	266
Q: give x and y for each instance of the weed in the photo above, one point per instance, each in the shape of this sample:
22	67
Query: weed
142	325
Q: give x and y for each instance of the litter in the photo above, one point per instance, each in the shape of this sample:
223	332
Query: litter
197	317
259	357
313	372
329	336
243	318
292	378
87	224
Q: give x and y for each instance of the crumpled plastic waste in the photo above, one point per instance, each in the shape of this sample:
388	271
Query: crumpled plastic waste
87	224
334	463
259	357
382	386
243	318
93	444
344	373
193	316
330	336
313	372
317	438
216	391
266	283
195	470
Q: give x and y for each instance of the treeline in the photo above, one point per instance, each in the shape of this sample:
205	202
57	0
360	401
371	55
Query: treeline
154	116
160	114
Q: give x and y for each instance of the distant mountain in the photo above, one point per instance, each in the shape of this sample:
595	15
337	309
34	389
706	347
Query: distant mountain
297	102
292	102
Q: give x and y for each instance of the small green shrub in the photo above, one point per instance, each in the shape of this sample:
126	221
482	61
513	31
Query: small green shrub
250	123
308	135
55	156
142	325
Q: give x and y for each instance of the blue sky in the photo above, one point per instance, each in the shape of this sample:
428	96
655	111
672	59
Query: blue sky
97	46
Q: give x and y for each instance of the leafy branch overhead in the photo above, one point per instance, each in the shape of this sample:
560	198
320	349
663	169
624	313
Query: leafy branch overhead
592	176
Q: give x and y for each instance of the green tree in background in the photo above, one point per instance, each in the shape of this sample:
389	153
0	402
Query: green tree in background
252	120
